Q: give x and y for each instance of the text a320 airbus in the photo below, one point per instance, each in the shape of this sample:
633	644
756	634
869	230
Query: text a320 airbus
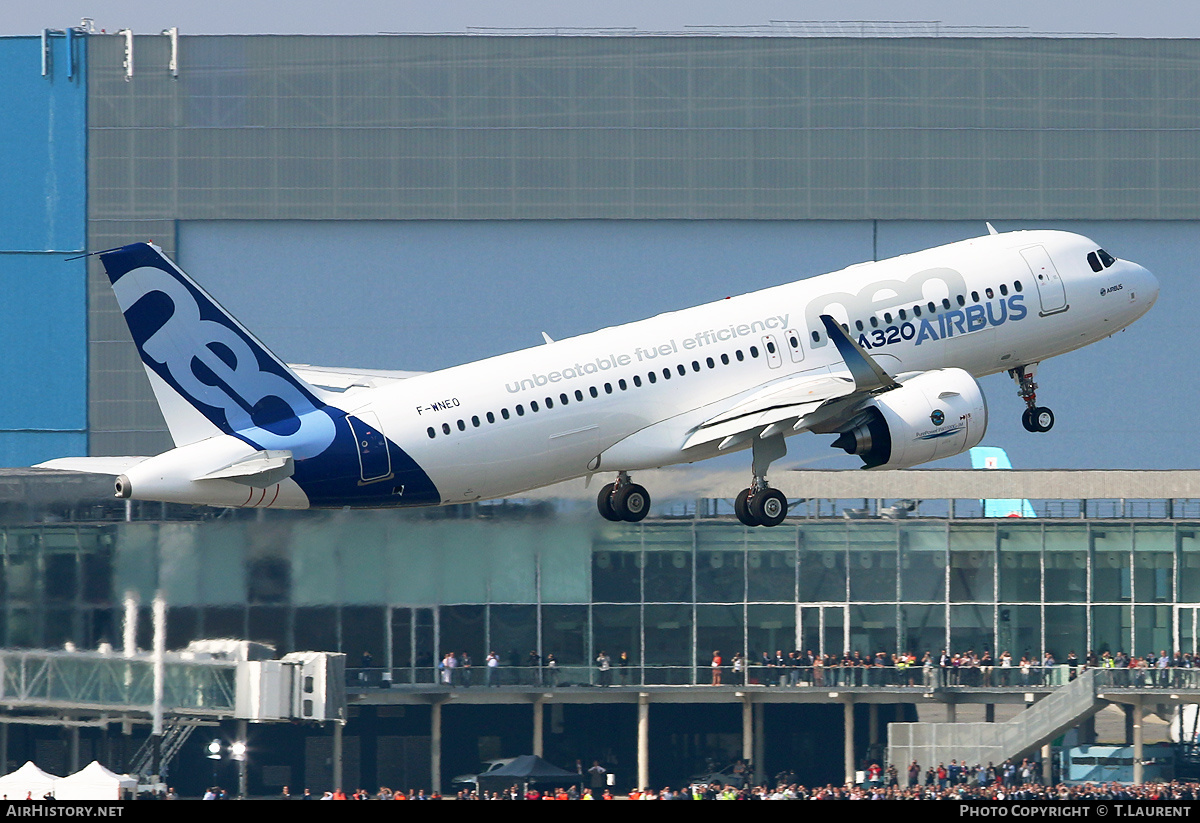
884	356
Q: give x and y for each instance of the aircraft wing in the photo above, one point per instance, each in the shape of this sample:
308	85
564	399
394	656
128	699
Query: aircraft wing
342	380
782	407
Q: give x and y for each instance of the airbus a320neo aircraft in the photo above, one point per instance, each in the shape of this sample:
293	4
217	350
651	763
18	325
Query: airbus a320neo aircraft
881	355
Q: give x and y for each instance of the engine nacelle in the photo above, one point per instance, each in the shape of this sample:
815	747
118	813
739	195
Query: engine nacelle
933	415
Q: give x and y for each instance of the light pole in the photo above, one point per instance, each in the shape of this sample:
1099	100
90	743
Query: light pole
237	750
214	754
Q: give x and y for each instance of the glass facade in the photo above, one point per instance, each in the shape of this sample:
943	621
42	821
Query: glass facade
657	597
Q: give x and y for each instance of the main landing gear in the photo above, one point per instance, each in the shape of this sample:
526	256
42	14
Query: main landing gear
623	500
760	505
1035	418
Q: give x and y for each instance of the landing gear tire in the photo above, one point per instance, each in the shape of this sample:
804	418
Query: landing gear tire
741	508
604	504
769	507
631	503
1037	419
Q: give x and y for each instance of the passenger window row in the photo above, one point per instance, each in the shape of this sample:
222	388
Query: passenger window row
622	384
917	310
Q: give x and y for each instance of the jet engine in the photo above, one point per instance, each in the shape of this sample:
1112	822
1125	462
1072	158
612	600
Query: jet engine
932	415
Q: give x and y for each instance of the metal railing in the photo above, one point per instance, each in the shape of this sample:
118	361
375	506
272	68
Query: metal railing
1167	678
702	675
1062	709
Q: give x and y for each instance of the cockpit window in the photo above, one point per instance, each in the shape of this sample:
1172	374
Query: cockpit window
1094	261
1106	258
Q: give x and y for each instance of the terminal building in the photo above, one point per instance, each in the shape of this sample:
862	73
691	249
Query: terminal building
395	592
884	144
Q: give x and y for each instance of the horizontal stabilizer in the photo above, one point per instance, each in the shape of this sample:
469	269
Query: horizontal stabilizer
92	465
260	470
340	380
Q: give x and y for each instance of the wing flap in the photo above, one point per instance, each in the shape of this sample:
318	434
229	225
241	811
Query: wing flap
772	407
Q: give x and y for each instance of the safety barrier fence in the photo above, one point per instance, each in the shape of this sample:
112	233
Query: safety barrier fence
802	677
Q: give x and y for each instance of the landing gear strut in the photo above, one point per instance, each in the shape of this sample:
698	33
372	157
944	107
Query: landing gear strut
1035	418
761	505
623	500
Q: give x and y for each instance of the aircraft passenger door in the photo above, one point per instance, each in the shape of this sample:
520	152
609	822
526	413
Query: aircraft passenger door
374	460
771	348
793	343
1049	284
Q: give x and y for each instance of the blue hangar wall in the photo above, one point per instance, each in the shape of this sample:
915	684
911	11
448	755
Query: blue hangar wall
43	221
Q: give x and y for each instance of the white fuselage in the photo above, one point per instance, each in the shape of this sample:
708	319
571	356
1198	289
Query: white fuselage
977	305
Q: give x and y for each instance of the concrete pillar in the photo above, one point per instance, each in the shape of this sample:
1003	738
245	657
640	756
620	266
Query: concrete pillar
539	703
1139	753
989	713
748	730
951	713
74	749
337	756
643	741
1087	731
1047	764
760	745
435	748
873	724
1128	710
848	747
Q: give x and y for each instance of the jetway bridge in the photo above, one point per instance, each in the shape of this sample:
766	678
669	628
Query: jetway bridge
173	692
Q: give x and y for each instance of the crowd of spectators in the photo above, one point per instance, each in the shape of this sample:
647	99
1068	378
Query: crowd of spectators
1008	781
1173	791
849	669
969	668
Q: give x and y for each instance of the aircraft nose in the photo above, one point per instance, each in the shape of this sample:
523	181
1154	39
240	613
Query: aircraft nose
1146	285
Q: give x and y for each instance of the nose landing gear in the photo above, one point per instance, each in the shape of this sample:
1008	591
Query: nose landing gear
1035	418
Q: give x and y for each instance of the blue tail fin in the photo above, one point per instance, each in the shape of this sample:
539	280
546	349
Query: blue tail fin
209	374
990	457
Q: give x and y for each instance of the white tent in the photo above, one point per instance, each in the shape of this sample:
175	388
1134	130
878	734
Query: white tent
27	781
94	782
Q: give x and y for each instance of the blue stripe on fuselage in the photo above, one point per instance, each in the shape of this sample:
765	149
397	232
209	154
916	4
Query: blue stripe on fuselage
333	478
